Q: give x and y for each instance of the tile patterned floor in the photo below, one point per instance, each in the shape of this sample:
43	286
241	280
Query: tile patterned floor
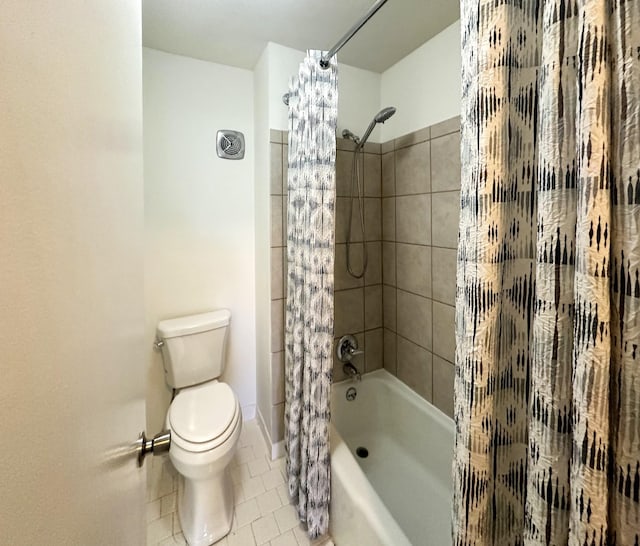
263	513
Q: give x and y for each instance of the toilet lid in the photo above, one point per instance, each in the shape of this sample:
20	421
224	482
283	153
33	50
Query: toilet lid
202	413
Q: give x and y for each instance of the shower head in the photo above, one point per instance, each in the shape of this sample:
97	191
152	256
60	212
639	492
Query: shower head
382	116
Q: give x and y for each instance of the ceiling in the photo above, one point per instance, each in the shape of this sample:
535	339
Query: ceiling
234	32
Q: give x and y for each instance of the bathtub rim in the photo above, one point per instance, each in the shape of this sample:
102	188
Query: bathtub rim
405	391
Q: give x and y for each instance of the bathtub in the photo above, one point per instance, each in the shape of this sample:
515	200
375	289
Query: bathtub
400	494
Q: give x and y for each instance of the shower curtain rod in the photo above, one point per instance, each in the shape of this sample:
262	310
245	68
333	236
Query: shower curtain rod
324	61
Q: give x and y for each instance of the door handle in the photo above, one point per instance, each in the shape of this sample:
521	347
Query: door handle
160	443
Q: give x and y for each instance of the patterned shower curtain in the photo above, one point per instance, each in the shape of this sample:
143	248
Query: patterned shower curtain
548	300
313	111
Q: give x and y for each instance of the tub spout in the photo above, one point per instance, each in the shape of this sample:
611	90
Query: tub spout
351	371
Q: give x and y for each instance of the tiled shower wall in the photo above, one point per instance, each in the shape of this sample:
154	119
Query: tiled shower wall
420	211
358	302
402	311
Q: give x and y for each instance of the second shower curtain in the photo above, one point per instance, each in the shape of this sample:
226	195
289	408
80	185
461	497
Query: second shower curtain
313	111
548	300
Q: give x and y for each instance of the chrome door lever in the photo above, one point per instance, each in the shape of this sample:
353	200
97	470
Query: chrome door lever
160	443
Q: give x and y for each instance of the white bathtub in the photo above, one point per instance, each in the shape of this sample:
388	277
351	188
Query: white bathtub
401	493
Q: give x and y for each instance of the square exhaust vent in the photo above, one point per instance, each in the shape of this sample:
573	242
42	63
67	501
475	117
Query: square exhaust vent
230	144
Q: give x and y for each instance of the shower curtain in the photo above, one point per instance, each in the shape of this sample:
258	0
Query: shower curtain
313	110
547	379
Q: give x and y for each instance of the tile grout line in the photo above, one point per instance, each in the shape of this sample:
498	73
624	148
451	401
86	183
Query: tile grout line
431	259
395	252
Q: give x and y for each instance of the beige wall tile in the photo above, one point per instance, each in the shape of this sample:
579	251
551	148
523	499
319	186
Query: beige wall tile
412	138
285	205
373	275
444	338
389	307
445	127
342	221
414	318
285	168
387	147
444	274
372	175
374	352
388	174
446	216
344	162
390	351
348	145
415	367
413	173
276	220
373	306
372	148
345	144
389	263
275	136
343	280
277	290
389	219
349	311
277	377
413	268
275	160
372	218
443	381
413	221
277	422
277	326
445	163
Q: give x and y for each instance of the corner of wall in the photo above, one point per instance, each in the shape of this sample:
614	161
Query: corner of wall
261	79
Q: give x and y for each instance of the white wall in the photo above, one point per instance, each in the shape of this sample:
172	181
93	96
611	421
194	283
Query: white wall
71	303
425	86
199	212
262	110
358	91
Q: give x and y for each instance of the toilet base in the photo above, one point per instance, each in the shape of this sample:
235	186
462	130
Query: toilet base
205	508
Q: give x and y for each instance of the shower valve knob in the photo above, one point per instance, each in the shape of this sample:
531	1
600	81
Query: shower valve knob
347	348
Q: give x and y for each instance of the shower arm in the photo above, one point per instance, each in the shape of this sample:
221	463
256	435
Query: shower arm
324	61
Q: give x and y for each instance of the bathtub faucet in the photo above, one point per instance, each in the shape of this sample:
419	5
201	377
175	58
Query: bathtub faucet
351	371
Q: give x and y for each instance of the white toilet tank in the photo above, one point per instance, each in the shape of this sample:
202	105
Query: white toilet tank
193	347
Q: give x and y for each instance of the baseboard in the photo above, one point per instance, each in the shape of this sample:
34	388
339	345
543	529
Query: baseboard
248	412
277	449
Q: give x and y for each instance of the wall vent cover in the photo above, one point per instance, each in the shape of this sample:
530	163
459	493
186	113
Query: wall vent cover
230	144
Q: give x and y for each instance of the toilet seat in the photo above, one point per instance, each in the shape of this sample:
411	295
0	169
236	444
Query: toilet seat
203	417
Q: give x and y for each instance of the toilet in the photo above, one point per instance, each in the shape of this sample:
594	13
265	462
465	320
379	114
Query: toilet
205	422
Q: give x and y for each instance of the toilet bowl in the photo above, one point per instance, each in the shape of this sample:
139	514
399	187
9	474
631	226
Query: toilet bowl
205	421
